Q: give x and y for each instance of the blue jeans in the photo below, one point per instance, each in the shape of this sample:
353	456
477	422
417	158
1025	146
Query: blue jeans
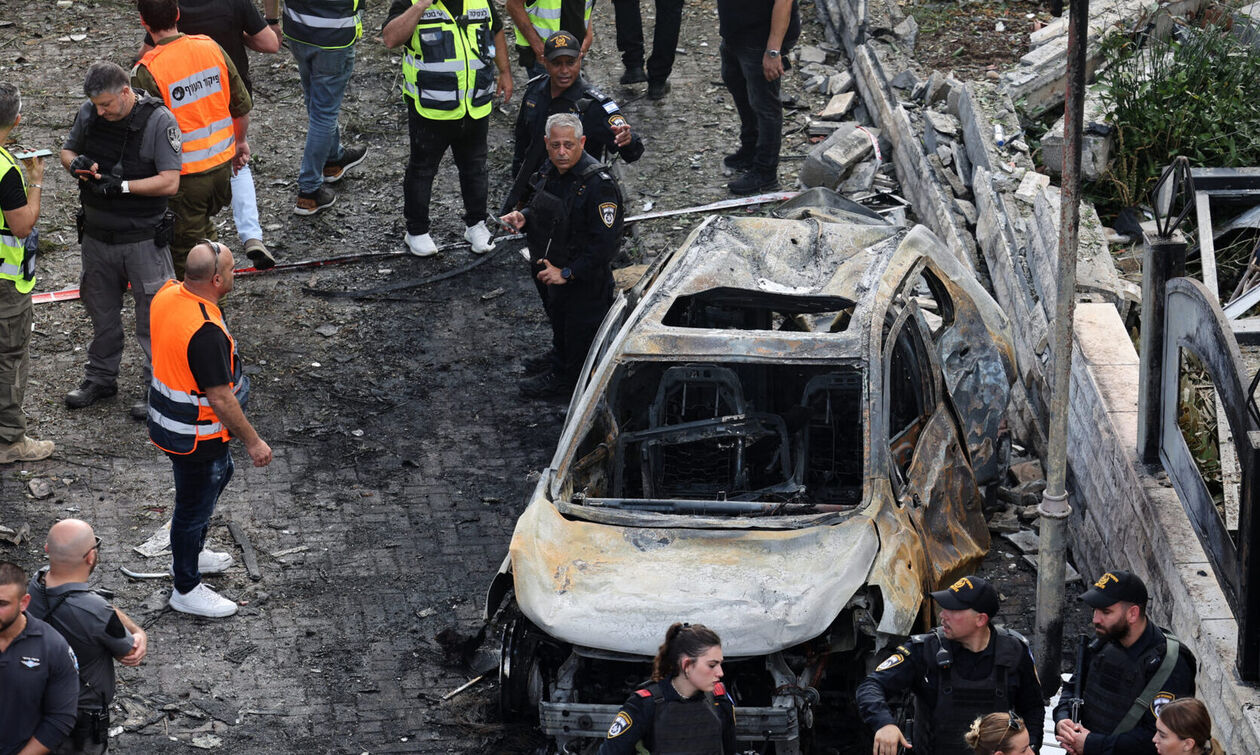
757	102
245	206
198	485
325	74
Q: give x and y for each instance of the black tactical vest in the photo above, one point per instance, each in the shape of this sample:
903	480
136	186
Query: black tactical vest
1113	682
550	220
116	147
960	701
685	727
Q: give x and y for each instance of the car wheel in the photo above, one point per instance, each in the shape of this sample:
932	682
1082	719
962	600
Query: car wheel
522	681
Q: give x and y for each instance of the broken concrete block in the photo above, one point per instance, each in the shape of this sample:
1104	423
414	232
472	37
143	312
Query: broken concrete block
962	163
811	54
948	177
904	80
830	161
1027	471
839	83
838	106
1005	522
815	83
1031	185
822	128
942	122
946	154
967	210
908	32
851	148
861	179
1096	138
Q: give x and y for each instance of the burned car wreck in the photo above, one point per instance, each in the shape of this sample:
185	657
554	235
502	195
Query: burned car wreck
781	433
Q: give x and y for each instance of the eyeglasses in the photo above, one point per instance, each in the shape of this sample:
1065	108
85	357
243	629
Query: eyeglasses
1014	722
95	546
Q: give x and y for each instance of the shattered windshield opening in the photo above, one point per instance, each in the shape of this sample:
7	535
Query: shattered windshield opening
726	439
741	309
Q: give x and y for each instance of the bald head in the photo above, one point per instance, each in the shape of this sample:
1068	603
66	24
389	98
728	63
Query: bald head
69	541
201	264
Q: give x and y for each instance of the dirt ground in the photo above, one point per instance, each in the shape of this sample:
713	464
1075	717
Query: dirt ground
403	455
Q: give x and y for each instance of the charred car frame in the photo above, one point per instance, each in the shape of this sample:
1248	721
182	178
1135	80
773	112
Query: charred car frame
781	433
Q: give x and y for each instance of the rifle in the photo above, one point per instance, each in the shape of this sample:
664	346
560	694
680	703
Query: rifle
1079	680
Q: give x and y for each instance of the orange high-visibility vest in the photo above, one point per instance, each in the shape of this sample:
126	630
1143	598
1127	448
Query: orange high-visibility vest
180	414
192	80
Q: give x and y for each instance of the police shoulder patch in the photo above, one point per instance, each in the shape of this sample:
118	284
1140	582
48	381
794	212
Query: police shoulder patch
619	725
608	213
176	138
890	661
1162	699
617	120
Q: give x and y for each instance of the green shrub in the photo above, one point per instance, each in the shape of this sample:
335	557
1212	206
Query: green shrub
1198	96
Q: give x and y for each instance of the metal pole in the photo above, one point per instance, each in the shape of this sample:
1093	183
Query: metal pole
1249	565
1163	258
1054	509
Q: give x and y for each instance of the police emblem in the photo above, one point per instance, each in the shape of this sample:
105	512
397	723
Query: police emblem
29	662
891	661
617	121
619	725
1160	701
174	136
608	213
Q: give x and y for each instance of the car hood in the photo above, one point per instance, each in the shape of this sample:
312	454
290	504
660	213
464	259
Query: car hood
618	588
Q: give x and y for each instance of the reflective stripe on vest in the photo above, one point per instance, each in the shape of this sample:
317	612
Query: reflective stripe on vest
447	65
330	24
14	264
192	78
544	16
180	414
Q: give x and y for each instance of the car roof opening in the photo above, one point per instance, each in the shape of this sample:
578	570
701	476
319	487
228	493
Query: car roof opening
727	308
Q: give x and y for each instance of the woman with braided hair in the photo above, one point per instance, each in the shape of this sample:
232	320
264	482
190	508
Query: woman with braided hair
685	708
999	734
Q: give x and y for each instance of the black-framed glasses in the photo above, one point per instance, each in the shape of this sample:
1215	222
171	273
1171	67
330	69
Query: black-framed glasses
215	247
95	546
1014	722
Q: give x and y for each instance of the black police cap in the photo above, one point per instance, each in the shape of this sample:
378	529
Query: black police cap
969	592
1115	586
561	44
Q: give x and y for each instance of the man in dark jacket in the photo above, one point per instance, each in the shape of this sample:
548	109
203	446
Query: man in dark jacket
1131	669
964	669
573	228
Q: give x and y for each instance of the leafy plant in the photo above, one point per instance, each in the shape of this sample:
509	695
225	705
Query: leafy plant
1197	94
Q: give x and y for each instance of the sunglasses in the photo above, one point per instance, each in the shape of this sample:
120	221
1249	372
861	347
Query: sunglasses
95	546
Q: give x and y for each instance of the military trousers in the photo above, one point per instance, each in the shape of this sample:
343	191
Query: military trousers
16	316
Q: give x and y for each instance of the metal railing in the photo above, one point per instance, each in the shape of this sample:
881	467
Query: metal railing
1181	315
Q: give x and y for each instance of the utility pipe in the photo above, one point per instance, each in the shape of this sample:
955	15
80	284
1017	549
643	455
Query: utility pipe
1054	508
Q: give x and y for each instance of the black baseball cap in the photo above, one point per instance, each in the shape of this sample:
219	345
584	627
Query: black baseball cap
1115	586
561	44
969	592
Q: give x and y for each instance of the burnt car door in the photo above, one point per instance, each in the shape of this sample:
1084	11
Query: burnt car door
928	467
977	376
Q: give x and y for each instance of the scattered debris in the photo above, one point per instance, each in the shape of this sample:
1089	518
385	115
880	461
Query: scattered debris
16	536
328	330
39	488
247	551
158	544
462	687
290	551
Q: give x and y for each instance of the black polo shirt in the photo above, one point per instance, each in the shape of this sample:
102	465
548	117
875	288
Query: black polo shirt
39	688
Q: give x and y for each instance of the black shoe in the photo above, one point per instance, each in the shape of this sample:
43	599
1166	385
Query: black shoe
539	363
753	182
309	203
737	162
546	386
658	89
334	171
140	410
89	393
634	76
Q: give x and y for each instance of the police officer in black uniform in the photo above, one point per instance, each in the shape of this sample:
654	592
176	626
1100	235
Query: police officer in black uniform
563	90
98	632
573	227
1131	669
964	669
685	709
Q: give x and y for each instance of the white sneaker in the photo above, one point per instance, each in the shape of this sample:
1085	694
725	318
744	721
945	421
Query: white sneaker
211	562
422	245
479	237
202	601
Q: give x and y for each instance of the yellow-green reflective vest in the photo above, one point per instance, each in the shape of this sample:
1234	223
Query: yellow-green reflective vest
14	265
544	15
448	66
330	24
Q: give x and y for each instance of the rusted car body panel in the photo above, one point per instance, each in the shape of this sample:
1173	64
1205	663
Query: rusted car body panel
781	435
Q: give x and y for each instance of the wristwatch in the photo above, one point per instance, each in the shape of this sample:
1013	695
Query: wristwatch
272	21
772	53
566	273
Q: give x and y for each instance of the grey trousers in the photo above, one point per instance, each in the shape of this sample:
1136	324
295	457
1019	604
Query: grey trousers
107	269
16	315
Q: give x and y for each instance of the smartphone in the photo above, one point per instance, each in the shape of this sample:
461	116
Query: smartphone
34	154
